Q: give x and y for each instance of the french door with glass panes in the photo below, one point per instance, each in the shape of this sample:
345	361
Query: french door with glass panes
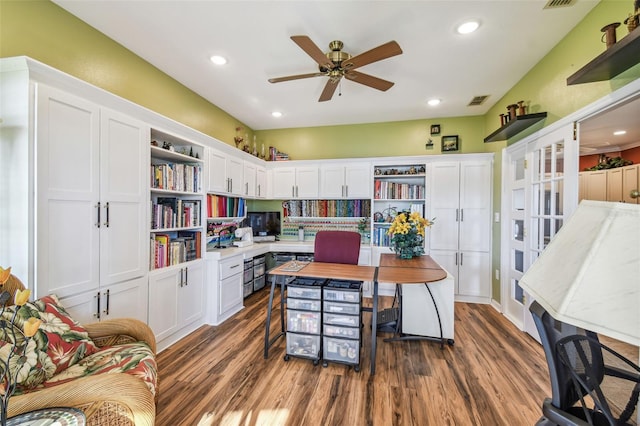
540	181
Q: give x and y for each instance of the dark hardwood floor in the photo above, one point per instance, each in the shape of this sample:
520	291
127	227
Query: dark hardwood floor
493	375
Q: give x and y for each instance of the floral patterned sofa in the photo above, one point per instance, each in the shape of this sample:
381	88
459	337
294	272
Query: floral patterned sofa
106	369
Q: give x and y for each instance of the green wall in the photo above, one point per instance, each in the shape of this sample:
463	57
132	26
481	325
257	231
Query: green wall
45	32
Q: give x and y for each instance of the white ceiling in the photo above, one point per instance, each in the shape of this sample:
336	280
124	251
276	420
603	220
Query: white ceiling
179	36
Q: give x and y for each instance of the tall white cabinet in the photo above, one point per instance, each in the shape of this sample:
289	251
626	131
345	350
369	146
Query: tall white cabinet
460	240
91	217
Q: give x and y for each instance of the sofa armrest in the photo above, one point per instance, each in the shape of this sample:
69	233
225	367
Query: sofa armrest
120	330
118	392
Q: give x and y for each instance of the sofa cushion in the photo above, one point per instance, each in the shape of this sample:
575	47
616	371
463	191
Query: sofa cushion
59	343
136	359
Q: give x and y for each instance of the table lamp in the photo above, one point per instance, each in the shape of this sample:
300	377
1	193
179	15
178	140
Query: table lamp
589	274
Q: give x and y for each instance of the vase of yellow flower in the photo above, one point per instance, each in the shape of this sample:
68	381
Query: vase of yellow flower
407	234
13	340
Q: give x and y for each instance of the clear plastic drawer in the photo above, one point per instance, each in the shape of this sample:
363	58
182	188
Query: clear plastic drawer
304	304
337	331
303	322
342	296
342	308
304	292
341	350
303	345
344	320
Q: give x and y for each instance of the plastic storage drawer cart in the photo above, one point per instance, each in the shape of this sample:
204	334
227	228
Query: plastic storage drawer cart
341	327
304	319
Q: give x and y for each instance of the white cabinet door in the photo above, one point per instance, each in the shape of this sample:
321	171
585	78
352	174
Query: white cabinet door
597	185
475	206
230	296
474	273
445	202
235	169
125	300
332	181
249	177
307	182
284	181
357	179
614	185
631	182
124	152
192	292
217	171
68	193
164	299
261	182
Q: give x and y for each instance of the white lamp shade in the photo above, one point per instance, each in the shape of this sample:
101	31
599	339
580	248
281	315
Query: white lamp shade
589	274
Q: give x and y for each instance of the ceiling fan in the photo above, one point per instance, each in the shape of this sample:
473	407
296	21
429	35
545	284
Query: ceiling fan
337	64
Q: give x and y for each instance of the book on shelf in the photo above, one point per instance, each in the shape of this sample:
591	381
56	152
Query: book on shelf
180	247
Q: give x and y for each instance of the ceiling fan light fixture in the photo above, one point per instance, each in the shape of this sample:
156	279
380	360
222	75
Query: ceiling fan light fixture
468	27
218	60
434	102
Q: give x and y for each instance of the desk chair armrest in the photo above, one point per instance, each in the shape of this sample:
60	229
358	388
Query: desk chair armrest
560	417
621	374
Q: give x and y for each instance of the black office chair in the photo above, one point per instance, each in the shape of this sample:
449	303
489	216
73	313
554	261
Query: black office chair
561	408
582	356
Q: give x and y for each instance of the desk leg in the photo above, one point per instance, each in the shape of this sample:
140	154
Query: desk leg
374	325
267	342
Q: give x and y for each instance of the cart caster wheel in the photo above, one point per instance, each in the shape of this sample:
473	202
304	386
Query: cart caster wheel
356	368
450	342
325	364
315	362
286	357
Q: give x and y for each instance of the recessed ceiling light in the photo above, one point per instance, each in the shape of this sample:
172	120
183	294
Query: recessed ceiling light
620	132
218	60
468	27
276	114
433	102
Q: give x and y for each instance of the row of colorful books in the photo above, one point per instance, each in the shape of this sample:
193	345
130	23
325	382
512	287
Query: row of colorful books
384	190
168	250
176	177
171	212
223	206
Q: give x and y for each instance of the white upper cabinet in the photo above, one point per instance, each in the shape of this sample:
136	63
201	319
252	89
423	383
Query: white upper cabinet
225	173
345	181
295	182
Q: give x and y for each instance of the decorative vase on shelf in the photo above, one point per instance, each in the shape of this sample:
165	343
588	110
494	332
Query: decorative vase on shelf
407	234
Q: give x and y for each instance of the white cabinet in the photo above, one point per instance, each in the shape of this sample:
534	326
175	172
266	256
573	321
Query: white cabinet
261	182
614	185
460	239
345	181
176	298
295	182
631	183
249	176
225	173
226	295
596	182
91	195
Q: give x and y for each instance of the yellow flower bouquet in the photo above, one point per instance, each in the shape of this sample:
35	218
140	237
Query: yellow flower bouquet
407	234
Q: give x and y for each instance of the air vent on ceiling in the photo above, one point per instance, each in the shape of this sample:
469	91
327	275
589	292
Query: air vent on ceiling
478	100
551	4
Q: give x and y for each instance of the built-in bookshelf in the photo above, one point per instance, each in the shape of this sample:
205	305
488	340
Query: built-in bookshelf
176	198
396	188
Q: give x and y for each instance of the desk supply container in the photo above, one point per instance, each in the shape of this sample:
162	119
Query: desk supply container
341	330
304	319
258	272
248	277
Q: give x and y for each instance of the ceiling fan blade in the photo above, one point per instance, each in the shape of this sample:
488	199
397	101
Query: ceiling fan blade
313	50
379	53
329	89
369	80
296	77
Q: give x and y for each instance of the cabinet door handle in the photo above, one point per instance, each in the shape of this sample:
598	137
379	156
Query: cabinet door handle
259	190
186	276
456	259
461	258
106	207
97	314
461	215
246	189
98	207
106	311
181	277
457	215
233	266
293	191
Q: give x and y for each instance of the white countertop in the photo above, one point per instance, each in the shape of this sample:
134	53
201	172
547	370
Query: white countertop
257	249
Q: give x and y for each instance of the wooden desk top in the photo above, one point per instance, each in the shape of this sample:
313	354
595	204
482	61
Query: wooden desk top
419	270
328	270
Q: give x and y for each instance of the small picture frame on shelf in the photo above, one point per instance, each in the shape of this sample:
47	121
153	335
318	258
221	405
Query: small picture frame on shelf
449	143
435	129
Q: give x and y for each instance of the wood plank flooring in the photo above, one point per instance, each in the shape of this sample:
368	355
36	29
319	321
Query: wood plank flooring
493	375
